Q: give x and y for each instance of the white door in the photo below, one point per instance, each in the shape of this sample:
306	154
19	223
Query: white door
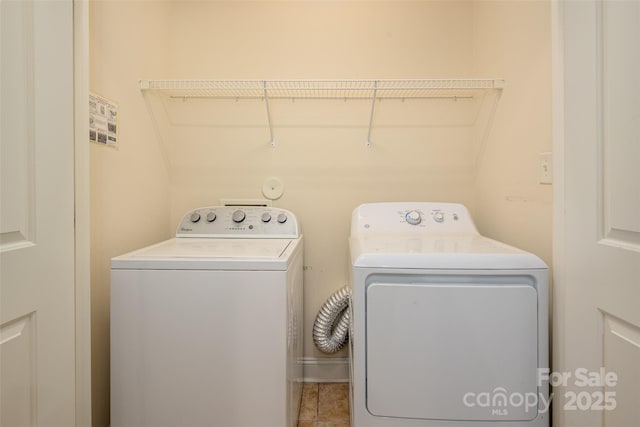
37	311
597	291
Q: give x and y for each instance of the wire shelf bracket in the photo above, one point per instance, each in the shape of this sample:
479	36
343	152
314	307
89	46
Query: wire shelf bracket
373	108
272	141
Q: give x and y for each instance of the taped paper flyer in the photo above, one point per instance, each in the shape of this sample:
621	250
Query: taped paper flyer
103	121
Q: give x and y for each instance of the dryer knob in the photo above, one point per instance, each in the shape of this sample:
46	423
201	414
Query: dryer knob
195	217
413	217
282	218
438	216
266	217
238	216
211	216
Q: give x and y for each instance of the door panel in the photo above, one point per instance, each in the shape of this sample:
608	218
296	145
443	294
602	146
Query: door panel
17	168
621	355
18	372
619	30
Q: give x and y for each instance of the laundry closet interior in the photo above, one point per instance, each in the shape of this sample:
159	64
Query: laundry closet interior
343	102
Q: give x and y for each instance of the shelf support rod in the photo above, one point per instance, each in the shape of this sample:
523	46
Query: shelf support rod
373	108
272	141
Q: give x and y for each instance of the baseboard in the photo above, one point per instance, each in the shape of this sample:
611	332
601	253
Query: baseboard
325	369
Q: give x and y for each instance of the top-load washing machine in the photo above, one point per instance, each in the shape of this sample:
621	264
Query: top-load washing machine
206	328
449	328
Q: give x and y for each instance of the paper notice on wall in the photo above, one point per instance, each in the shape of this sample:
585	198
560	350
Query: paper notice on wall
103	121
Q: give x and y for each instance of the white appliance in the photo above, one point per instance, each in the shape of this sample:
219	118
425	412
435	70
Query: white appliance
449	328
206	328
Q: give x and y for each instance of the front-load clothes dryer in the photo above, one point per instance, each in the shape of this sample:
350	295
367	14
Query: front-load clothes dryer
206	328
449	328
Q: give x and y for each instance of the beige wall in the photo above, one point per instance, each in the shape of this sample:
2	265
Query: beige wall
422	150
333	40
513	40
129	186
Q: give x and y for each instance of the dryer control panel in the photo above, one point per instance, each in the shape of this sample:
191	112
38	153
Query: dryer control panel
411	217
239	222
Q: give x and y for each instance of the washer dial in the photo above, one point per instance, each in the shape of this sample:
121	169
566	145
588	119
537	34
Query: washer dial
238	216
413	217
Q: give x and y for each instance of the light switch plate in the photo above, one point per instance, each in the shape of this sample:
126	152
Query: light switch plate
546	168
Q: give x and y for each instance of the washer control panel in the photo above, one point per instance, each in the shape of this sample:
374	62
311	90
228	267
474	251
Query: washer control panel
416	217
239	222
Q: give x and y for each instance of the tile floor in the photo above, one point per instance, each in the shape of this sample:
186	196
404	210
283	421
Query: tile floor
324	405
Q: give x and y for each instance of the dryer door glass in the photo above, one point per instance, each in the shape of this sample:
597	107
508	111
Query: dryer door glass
448	351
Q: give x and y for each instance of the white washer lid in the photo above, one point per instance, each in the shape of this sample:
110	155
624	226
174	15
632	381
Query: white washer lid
465	252
210	254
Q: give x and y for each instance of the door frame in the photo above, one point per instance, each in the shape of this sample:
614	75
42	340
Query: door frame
557	300
82	224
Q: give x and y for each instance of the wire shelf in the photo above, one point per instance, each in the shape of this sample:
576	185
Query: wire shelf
322	89
372	90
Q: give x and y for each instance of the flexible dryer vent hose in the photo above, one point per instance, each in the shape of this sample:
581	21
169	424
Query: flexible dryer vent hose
335	311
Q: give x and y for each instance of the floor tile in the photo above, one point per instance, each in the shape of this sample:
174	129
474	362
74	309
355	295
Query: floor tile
342	423
333	402
309	403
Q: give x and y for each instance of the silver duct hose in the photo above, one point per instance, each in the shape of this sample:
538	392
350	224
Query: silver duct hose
330	339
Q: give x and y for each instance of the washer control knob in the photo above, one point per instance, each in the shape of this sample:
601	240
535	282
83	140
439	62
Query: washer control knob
195	217
266	217
238	216
413	217
211	216
438	216
282	218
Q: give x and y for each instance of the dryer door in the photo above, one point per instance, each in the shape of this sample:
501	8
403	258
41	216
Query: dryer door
450	351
